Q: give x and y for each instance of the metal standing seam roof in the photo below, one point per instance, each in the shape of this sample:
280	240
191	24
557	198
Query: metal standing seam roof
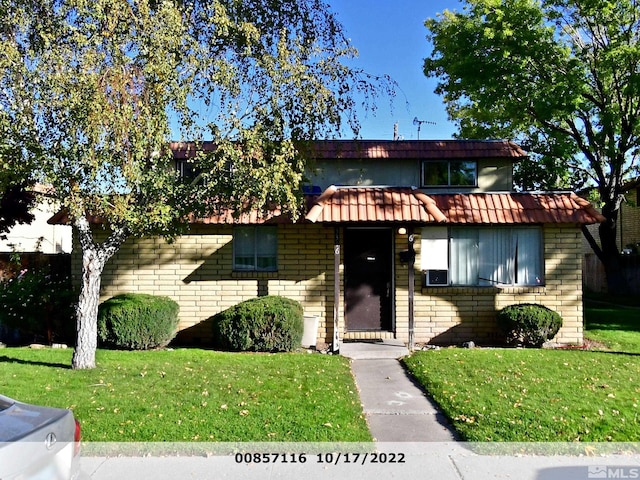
422	149
384	204
383	149
408	205
357	204
248	217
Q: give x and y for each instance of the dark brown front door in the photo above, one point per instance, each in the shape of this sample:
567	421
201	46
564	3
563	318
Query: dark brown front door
368	279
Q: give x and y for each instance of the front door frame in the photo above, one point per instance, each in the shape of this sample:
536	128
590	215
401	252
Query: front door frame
392	293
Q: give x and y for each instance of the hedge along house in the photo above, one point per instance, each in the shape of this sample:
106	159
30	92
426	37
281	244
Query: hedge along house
421	241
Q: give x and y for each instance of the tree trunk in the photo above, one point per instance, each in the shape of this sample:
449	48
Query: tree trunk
610	257
84	355
608	251
94	258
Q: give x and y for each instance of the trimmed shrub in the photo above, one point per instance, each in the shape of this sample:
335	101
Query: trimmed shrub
136	321
263	324
529	324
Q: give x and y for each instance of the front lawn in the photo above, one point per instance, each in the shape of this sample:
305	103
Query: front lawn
530	395
193	395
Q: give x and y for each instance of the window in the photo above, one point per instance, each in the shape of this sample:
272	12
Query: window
446	173
482	256
255	249
187	170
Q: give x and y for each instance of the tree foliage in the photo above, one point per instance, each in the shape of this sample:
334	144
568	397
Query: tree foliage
91	92
562	76
15	207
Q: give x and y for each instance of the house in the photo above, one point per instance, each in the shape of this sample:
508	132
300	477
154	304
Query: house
627	240
38	236
38	245
628	226
420	241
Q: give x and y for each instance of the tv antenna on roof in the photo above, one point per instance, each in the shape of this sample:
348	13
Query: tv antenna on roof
420	122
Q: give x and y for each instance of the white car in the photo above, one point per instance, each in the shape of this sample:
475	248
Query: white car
38	443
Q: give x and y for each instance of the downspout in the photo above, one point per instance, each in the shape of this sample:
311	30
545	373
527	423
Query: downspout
335	346
411	289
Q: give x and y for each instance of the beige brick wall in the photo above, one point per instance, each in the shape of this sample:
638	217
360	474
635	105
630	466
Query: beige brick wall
629	224
196	271
460	314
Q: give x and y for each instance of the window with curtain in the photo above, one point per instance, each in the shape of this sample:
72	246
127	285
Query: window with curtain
255	248
481	256
496	256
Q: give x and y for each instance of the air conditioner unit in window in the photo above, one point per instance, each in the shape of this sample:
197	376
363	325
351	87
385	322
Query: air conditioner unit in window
436	277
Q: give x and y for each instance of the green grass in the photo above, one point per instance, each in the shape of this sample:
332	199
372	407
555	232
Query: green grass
530	395
193	395
616	327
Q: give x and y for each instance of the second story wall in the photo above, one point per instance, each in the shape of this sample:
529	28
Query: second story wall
437	166
492	175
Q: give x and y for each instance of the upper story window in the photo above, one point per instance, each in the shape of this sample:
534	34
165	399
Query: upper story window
255	248
187	170
449	173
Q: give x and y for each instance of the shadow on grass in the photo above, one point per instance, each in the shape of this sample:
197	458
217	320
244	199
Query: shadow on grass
605	316
5	359
613	352
616	327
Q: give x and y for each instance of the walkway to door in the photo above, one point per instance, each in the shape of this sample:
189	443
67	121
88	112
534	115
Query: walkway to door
373	350
397	409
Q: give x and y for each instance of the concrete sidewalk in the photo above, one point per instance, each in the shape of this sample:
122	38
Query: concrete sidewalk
413	440
406	460
397	409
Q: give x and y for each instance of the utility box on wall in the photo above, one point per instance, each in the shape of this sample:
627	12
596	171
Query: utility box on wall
310	333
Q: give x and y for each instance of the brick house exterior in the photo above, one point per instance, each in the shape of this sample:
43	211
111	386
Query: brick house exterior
377	258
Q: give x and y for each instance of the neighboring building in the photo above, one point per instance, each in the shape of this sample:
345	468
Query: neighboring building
628	231
421	241
627	240
38	236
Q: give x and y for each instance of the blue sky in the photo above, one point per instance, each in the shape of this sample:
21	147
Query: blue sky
391	39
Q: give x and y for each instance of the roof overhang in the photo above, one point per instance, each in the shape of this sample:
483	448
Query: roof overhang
395	205
407	205
349	204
